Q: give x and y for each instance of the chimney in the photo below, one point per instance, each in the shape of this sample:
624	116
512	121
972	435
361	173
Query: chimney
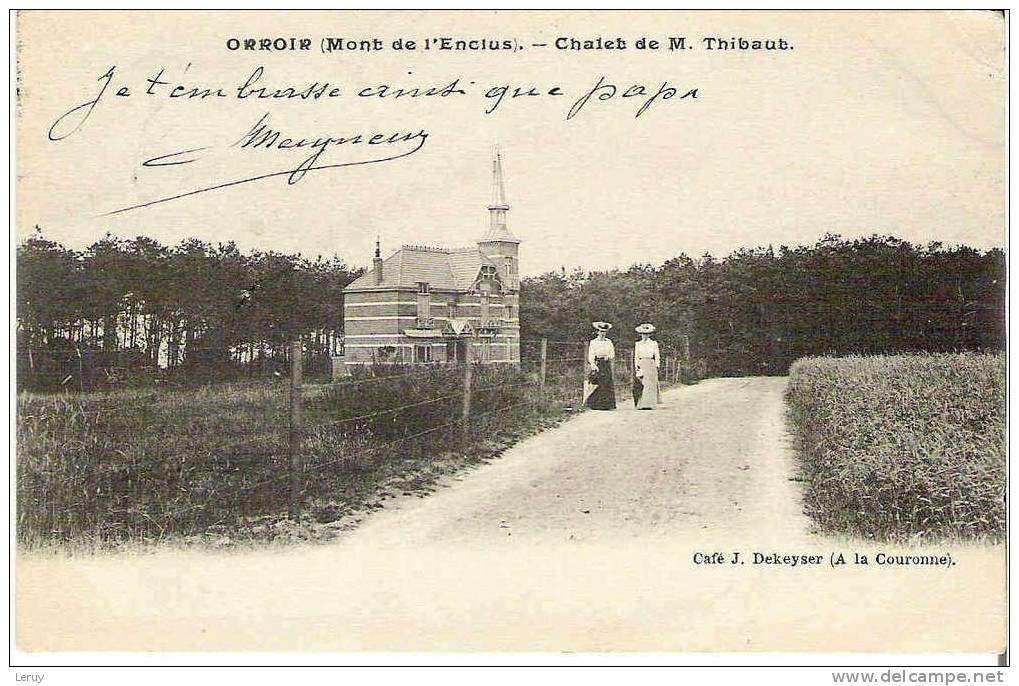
378	262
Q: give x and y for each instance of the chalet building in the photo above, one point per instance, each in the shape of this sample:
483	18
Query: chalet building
426	304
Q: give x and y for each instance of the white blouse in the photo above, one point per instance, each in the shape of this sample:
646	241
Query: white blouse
600	347
648	348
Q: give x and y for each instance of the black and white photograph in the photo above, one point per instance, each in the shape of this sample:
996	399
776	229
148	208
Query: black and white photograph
555	333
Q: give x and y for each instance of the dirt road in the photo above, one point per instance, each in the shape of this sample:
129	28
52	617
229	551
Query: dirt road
712	458
589	537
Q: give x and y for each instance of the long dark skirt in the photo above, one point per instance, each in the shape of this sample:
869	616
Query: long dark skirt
603	397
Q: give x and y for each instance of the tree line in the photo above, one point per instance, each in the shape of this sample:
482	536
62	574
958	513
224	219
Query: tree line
141	304
138	303
757	310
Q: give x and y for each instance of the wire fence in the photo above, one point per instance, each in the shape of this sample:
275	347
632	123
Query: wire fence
154	462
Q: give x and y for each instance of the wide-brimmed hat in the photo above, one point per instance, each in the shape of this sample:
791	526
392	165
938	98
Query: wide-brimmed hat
645	328
601	326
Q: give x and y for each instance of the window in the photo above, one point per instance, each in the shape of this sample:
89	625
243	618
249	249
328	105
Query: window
424	306
483	351
508	311
423	287
422	353
484	305
489	279
511	273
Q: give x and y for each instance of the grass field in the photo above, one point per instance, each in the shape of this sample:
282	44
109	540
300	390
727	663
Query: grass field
901	447
211	464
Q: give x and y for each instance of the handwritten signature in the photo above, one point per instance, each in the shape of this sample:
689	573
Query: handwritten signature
263	137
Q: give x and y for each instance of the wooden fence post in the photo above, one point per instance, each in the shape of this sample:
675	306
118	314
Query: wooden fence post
81	370
468	374
583	368
544	358
296	458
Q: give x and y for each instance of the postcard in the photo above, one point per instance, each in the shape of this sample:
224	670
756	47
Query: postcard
510	331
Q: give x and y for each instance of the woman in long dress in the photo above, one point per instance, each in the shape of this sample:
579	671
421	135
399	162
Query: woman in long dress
646	357
599	391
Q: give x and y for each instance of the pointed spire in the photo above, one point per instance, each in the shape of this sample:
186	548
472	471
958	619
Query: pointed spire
497	210
498	185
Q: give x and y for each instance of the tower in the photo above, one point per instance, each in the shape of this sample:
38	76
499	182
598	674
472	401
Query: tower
498	244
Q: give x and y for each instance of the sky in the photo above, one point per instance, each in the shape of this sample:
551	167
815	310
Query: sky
886	123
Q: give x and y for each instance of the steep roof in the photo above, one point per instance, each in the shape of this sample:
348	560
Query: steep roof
499	233
441	268
498	185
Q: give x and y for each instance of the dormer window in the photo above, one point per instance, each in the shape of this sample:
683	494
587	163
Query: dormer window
423	287
488	272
